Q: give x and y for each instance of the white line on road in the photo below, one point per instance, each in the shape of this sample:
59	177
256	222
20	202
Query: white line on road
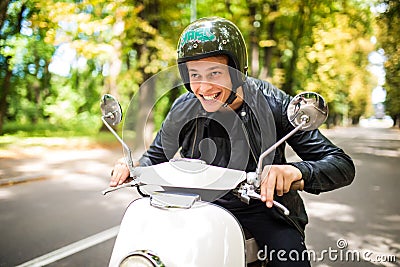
85	243
73	248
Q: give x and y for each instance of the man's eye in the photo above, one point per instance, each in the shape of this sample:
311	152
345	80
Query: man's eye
194	76
215	73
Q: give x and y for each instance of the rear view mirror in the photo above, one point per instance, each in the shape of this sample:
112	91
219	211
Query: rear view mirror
111	109
309	109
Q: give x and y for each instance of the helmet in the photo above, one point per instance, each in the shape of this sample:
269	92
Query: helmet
210	37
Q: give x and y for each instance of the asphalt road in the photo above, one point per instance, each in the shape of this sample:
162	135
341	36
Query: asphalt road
364	218
58	212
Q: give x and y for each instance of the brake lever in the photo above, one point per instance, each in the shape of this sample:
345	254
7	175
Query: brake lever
247	192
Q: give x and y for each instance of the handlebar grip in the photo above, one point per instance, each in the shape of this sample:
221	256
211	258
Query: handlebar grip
298	185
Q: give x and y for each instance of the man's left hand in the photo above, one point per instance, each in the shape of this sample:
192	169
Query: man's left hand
277	178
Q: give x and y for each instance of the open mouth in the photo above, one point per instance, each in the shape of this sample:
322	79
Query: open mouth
211	97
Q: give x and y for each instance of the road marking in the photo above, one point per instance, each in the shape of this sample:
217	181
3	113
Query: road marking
86	243
72	248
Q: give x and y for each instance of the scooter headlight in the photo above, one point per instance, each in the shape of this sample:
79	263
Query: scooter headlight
142	258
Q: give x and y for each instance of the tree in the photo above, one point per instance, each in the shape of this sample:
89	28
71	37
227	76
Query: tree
389	32
24	57
336	64
103	38
115	46
3	11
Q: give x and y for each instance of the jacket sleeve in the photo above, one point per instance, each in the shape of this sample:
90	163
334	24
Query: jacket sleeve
324	166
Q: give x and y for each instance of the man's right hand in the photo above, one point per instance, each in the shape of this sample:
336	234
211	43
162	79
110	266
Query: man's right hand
120	173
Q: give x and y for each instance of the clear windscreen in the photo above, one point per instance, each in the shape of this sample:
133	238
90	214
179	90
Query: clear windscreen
198	126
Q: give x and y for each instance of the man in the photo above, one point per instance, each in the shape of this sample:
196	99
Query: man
212	61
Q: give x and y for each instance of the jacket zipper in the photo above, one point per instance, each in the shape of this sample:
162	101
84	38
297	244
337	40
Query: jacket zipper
291	221
195	138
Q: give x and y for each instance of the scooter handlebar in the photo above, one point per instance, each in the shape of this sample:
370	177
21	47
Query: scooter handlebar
298	185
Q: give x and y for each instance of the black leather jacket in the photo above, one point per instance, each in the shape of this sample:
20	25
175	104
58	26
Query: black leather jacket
324	166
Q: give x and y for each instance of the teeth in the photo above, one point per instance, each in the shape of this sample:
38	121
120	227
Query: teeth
210	97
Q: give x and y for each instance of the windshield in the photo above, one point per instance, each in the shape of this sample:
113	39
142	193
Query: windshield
228	141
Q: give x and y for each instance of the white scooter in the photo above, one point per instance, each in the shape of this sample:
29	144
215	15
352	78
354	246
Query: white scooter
177	227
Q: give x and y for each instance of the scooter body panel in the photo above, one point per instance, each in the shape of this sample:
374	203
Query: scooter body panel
203	235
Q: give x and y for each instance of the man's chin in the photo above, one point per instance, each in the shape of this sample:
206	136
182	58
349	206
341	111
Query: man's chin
211	107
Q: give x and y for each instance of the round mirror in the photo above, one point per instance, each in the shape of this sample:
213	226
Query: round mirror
111	109
308	108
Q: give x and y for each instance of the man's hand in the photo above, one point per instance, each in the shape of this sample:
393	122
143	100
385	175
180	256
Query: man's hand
279	178
120	173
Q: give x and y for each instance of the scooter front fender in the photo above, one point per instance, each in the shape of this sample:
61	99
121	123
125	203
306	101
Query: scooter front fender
204	235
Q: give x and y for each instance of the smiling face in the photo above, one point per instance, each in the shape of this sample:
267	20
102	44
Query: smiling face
211	82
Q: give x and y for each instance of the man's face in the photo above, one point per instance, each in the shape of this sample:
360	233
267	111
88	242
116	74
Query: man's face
210	81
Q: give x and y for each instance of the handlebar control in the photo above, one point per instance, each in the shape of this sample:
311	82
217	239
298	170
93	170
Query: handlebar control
297	185
249	191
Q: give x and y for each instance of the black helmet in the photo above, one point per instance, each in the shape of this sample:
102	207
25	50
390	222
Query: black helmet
210	37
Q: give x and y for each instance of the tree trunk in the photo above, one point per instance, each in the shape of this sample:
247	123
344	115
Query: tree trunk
115	68
296	37
3	11
254	48
145	122
7	79
3	97
269	50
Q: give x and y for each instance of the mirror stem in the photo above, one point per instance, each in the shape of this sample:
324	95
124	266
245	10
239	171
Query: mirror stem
273	147
126	148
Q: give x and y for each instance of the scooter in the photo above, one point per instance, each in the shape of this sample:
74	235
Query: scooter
176	225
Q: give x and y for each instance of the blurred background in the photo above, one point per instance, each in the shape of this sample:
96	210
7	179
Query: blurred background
58	57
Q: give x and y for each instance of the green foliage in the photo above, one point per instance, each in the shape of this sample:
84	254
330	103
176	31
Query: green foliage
337	63
389	31
58	57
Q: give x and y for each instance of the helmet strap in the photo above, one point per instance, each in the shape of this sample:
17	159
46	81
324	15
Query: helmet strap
230	99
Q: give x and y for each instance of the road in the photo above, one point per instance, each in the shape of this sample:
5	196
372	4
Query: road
364	217
65	210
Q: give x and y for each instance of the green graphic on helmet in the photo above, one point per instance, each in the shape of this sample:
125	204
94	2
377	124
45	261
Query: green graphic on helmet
199	35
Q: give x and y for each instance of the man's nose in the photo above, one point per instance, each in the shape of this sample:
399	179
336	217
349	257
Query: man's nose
204	86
